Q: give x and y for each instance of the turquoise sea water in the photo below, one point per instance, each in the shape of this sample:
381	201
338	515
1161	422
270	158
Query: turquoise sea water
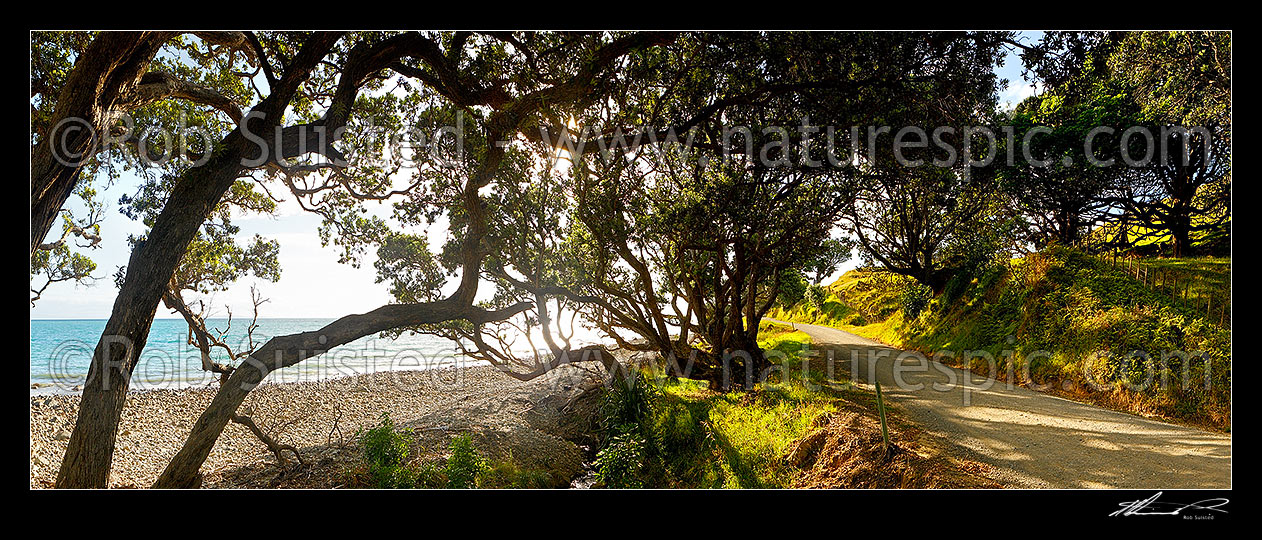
61	351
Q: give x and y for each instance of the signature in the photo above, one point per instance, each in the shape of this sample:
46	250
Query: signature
1152	507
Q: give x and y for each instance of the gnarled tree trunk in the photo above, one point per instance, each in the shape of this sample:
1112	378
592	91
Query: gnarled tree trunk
112	63
91	446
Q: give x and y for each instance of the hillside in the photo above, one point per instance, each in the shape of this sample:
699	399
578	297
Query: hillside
1075	322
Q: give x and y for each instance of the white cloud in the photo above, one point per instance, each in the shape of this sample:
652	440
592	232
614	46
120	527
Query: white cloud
1016	92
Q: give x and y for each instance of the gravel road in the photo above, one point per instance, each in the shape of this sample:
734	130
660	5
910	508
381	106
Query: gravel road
1032	439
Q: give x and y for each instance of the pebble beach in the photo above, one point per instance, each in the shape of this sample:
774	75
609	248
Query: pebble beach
320	418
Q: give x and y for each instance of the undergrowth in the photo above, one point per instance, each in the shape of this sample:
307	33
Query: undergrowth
663	432
386	462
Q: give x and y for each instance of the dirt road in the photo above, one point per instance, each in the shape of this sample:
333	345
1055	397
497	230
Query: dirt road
1033	439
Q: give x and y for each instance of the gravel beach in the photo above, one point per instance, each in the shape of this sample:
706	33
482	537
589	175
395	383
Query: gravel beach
535	422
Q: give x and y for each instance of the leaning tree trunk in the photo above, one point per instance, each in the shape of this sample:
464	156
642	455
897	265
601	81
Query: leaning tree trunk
91	445
183	471
112	63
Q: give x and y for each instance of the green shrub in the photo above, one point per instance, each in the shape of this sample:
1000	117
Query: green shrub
430	475
625	418
385	454
792	288
465	464
816	296
629	401
619	463
914	298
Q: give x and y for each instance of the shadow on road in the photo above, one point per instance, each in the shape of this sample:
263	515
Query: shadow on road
1033	439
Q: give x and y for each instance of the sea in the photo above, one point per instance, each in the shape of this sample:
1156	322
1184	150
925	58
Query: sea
61	351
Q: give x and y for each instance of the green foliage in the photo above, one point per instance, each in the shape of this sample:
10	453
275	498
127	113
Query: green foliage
815	296
1180	78
857	298
793	287
385	464
628	402
62	260
1150	80
507	474
833	252
214	259
62	264
413	272
385	453
689	436
465	465
620	461
914	298
430	475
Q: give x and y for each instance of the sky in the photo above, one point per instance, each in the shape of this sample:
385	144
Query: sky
312	283
1017	88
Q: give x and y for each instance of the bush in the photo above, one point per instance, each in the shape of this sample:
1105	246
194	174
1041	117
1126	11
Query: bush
816	296
628	440
430	475
629	401
619	463
385	453
385	464
914	298
465	465
792	288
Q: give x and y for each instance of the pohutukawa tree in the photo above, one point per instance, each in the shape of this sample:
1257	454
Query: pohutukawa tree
1183	194
1180	80
691	248
1061	190
93	99
1155	81
321	75
662	247
927	179
83	83
910	221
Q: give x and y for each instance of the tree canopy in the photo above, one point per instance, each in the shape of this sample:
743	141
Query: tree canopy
665	188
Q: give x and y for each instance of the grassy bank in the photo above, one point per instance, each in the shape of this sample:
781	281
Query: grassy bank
795	430
1073	322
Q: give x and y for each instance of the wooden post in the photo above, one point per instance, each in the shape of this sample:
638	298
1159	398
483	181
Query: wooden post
880	407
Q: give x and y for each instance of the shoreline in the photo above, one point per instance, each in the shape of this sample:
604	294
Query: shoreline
39	388
320	418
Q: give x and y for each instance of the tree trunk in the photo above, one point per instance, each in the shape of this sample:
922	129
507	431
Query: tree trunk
112	64
284	351
91	446
938	280
1180	229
